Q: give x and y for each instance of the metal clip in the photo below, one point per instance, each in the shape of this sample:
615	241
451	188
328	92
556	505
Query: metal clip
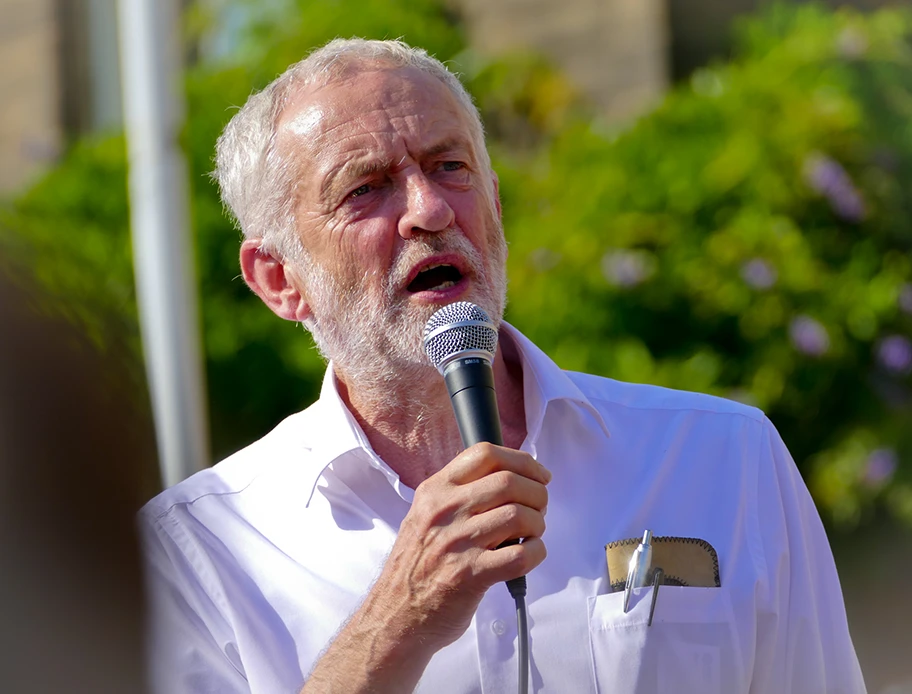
657	580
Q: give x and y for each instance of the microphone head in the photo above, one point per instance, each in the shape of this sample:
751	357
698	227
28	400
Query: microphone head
457	329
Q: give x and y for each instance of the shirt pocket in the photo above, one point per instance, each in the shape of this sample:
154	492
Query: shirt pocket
692	645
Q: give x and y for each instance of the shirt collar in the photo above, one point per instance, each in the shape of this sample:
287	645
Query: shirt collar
337	433
544	382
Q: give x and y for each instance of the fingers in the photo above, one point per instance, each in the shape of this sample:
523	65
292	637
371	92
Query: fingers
509	522
484	458
448	551
463	514
503	487
482	479
512	561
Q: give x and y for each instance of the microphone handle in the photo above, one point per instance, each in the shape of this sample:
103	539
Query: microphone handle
470	383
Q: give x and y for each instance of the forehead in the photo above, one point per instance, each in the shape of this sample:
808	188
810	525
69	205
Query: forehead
381	112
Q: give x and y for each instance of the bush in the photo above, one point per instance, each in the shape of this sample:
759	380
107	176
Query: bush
71	229
748	239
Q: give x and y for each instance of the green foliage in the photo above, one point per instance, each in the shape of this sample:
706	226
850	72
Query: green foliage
278	33
750	238
524	101
71	230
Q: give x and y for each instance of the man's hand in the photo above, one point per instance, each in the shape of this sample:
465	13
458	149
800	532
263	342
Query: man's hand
445	558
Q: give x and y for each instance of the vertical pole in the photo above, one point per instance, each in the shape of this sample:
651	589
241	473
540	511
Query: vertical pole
151	56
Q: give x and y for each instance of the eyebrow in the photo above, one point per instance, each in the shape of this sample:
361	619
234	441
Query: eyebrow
353	171
448	145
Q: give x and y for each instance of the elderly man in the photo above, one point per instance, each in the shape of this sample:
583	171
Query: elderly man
357	547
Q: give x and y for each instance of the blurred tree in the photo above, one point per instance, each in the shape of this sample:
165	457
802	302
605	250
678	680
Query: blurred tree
751	239
71	230
748	239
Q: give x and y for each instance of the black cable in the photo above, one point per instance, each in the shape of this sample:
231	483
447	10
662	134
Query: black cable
517	587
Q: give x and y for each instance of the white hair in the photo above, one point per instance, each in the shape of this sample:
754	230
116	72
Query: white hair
257	181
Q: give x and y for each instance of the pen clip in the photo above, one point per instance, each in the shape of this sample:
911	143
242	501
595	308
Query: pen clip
628	588
658	579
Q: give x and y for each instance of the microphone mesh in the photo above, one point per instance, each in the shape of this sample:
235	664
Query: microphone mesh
458	327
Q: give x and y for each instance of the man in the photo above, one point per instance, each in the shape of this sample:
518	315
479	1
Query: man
356	549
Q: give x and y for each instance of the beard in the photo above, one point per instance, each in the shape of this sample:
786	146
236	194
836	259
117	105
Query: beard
374	336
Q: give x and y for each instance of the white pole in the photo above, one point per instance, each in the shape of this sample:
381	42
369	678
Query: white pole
151	56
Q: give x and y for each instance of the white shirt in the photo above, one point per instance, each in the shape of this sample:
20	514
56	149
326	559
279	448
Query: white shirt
254	564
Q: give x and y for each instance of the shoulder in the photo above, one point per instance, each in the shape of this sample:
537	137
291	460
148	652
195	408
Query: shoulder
236	473
706	425
607	393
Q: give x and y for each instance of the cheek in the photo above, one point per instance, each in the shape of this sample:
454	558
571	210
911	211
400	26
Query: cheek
476	215
360	253
317	233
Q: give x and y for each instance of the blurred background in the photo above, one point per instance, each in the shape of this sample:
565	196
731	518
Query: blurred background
703	194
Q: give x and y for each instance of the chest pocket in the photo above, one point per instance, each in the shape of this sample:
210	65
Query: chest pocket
692	645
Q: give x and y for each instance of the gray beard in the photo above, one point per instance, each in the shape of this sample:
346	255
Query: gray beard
376	343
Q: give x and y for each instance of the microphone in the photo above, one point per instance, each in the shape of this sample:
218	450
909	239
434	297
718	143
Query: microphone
460	340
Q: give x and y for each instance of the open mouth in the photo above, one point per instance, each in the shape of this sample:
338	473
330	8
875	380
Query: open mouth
435	277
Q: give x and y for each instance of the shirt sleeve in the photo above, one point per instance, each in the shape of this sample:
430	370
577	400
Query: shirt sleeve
803	642
189	649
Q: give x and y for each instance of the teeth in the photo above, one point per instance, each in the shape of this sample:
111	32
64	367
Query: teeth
443	285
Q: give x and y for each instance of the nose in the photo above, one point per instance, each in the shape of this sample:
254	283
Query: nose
426	208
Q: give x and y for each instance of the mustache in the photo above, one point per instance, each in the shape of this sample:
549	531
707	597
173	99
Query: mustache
416	250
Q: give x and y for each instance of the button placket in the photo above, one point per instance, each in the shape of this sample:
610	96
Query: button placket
496	647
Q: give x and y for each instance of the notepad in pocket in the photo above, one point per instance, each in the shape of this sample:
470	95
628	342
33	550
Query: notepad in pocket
685	561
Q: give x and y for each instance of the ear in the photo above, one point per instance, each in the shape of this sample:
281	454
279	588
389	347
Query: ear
273	282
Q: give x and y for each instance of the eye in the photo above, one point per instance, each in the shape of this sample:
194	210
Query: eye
452	165
360	190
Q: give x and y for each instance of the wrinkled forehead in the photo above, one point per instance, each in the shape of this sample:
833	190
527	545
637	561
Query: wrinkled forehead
318	116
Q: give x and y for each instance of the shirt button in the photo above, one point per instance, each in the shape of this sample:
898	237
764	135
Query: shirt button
498	627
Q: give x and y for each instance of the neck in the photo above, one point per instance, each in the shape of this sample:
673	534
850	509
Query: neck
418	436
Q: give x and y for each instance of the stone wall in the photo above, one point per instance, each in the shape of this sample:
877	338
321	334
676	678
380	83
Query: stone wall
30	130
701	30
614	50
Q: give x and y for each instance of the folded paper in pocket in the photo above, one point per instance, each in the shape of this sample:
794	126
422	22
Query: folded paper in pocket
685	561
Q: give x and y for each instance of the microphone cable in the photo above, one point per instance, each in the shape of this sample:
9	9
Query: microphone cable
460	341
517	588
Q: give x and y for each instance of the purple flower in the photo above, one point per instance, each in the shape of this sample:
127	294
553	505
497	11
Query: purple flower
905	298
759	274
826	176
809	336
851	43
895	353
879	466
627	268
543	259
